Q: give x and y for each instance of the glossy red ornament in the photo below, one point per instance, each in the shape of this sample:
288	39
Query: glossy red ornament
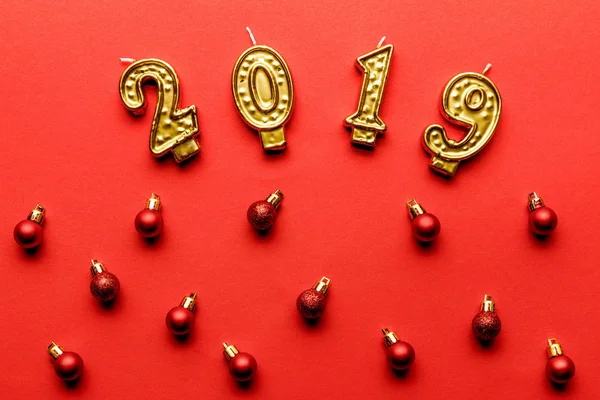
425	226
486	324
542	220
400	354
242	366
29	233
311	302
67	364
180	319
559	368
149	221
105	285
262	214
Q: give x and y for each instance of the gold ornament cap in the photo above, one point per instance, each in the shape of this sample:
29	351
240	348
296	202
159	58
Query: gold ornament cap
275	198
389	337
487	305
554	349
535	201
55	350
230	351
37	214
189	302
97	267
414	209
153	202
322	285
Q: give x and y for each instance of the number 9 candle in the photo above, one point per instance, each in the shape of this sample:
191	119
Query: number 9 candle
172	129
365	122
470	100
263	93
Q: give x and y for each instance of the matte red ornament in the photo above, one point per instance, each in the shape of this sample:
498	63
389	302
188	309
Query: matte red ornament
311	302
559	368
242	366
180	319
262	214
486	324
105	285
542	220
67	364
29	233
425	226
149	221
400	354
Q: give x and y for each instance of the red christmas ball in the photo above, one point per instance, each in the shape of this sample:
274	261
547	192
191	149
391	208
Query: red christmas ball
68	366
242	367
105	286
486	325
560	369
542	221
28	234
311	303
180	320
261	215
400	355
426	227
149	223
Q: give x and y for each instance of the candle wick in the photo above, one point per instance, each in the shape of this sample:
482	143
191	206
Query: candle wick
127	60
380	42
487	68
251	36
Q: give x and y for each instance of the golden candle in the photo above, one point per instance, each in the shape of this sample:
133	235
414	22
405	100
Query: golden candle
172	129
264	94
365	122
470	100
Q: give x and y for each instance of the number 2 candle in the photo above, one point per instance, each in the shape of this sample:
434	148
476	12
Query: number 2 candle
365	122
172	129
470	100
263	93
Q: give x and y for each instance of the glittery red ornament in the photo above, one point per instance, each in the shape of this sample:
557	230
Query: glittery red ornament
29	233
105	285
242	366
542	220
486	324
425	226
559	368
67	364
262	214
311	302
400	354
149	221
180	319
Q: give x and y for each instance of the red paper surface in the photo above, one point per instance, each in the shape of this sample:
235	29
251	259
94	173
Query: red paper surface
69	144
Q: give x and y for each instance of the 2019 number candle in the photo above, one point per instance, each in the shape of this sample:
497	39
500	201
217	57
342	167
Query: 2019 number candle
172	129
264	93
470	100
365	122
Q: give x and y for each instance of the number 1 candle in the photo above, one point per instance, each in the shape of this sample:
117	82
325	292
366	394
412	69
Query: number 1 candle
263	93
365	122
470	100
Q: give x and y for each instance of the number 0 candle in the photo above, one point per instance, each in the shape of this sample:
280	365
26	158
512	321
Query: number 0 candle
172	129
263	93
365	122
470	100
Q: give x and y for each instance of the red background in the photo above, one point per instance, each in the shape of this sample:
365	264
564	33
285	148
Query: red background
69	144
